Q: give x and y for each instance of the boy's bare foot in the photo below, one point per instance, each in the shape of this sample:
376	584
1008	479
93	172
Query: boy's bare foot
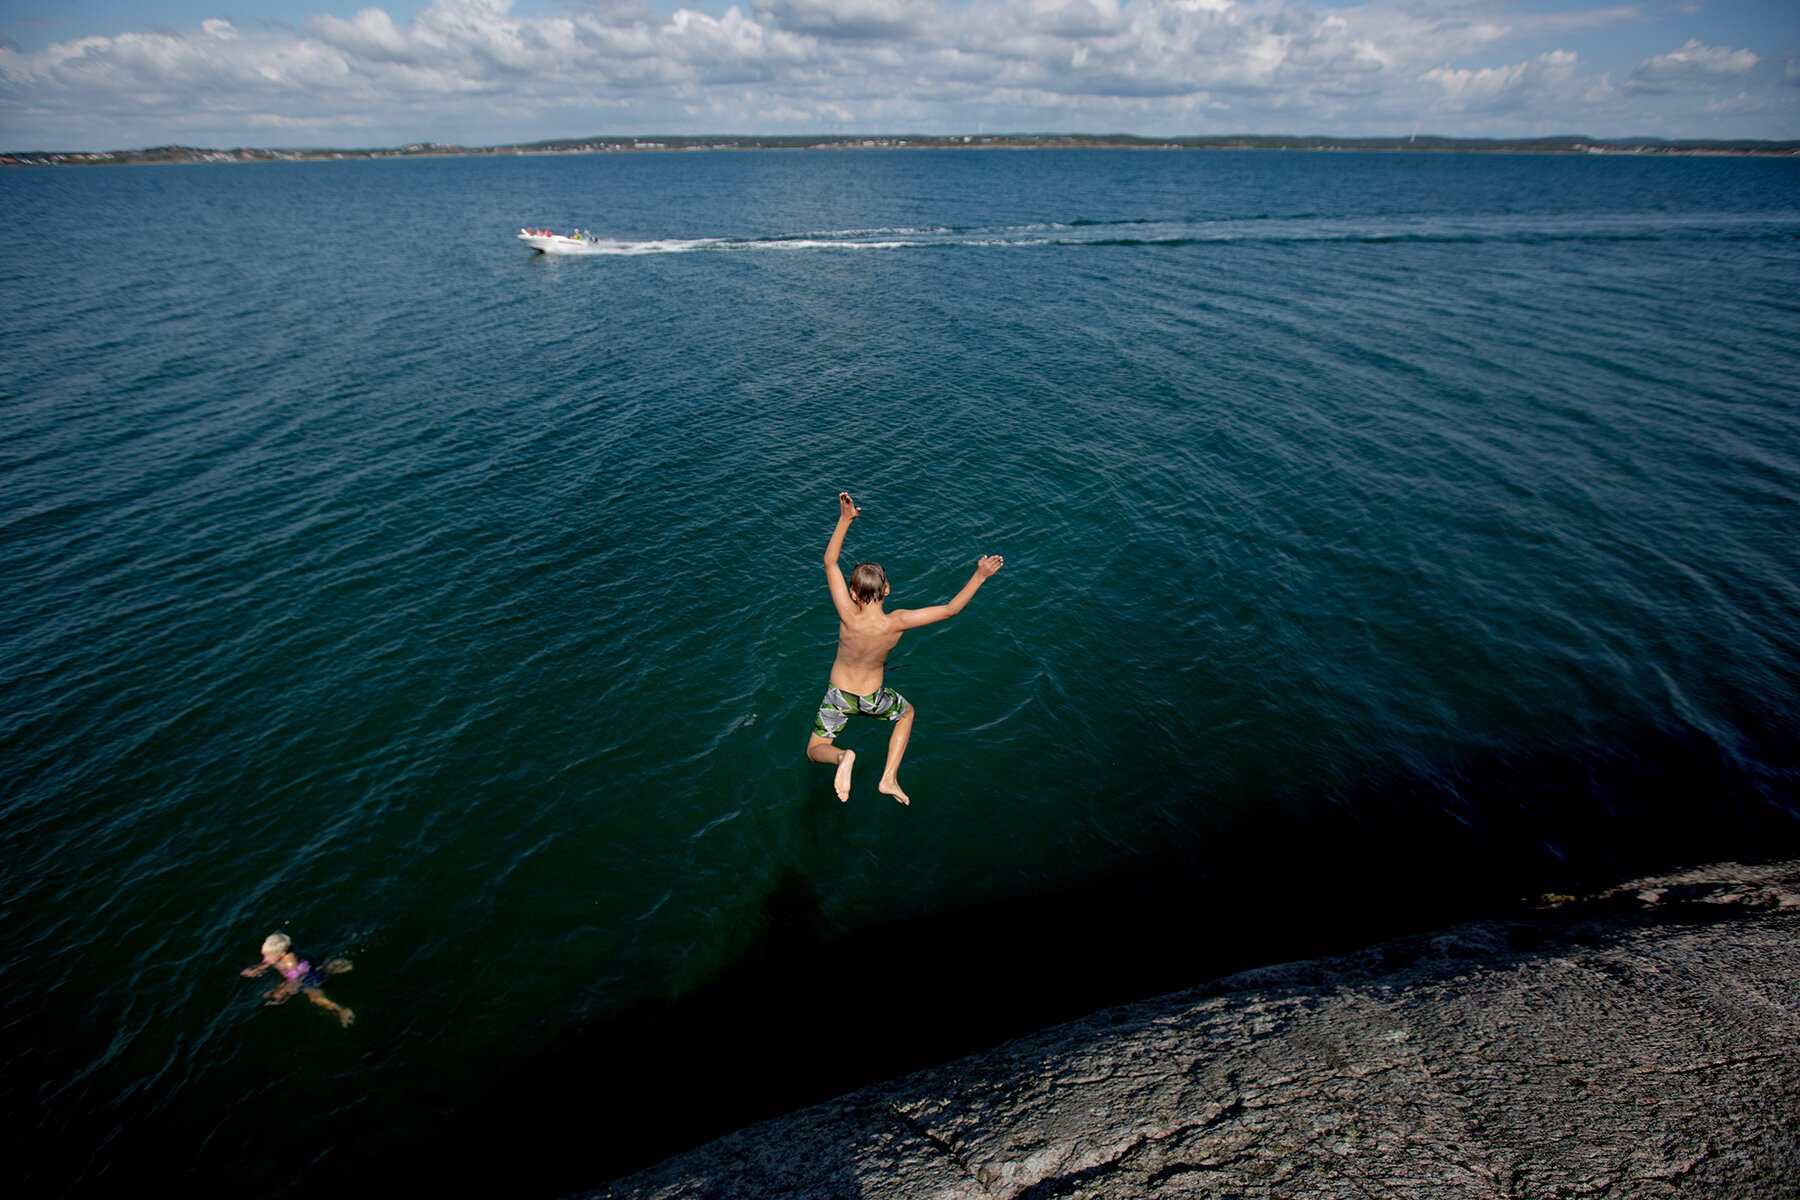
892	788
345	1017
842	781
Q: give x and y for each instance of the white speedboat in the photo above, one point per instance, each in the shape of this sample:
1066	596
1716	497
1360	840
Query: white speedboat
555	243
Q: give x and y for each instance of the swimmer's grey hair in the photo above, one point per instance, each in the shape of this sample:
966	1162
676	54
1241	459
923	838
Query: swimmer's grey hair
868	583
276	943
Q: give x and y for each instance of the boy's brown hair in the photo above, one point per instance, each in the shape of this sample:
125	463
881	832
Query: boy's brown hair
868	583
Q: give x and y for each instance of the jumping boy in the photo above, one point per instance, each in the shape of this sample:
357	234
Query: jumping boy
865	635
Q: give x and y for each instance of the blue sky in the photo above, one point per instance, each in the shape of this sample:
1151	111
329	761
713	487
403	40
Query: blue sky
107	74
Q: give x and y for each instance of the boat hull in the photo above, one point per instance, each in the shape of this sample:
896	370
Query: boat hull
553	243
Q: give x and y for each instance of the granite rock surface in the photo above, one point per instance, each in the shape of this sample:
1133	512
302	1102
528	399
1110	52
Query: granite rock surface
1641	1042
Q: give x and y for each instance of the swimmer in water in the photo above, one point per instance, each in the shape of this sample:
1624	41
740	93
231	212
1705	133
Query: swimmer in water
865	635
298	975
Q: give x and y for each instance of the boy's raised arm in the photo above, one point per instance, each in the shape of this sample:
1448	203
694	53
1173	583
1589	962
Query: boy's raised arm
834	574
912	618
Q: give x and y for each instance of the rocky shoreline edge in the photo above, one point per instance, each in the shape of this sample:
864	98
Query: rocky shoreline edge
1642	1041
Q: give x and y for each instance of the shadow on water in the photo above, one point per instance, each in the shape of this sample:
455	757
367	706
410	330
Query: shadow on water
806	1018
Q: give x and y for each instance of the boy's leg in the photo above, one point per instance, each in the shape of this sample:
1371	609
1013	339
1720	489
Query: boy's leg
821	750
890	783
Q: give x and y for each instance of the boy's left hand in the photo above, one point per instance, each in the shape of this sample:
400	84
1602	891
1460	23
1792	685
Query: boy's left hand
847	510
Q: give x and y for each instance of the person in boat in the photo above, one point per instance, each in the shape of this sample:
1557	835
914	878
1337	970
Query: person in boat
298	975
866	634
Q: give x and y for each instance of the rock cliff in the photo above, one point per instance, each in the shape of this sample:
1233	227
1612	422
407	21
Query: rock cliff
1639	1042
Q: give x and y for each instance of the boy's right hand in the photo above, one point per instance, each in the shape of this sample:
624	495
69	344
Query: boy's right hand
847	510
988	564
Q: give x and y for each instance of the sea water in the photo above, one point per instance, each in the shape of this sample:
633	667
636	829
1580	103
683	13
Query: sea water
1387	537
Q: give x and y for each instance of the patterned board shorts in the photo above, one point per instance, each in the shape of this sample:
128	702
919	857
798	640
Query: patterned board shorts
839	706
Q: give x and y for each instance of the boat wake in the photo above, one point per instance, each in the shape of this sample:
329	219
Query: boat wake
1154	232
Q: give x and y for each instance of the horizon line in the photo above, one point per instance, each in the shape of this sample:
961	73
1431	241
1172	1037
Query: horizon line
687	141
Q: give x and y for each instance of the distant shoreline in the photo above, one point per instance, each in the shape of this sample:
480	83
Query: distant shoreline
1570	144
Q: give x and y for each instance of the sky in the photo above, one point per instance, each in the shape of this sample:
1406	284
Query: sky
128	74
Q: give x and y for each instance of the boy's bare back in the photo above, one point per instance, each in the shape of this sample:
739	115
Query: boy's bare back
864	639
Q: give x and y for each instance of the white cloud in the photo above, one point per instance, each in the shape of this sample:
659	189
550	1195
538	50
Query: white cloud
474	70
1693	67
1547	83
370	35
853	20
1744	102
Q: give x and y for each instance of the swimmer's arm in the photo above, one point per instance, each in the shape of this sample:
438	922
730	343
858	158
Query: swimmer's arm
834	574
912	618
253	972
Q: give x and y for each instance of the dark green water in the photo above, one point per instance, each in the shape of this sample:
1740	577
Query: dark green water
1386	537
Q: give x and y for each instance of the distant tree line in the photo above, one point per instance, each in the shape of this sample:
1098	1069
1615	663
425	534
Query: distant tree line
1559	144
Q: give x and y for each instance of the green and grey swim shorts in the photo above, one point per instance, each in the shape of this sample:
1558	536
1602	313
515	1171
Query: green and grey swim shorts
839	706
